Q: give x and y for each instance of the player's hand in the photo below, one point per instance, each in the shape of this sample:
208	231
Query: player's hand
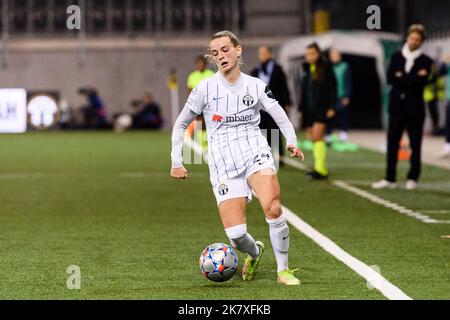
398	74
296	152
345	101
422	72
179	173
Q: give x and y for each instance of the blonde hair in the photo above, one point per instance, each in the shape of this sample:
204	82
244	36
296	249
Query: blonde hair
233	39
225	33
418	28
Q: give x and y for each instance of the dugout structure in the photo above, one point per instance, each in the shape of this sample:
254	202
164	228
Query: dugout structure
368	54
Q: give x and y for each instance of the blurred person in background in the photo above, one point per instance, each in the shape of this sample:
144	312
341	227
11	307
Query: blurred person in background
317	105
343	75
147	113
446	152
434	92
200	73
94	113
273	75
408	73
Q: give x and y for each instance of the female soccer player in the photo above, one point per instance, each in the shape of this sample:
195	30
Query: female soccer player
317	105
239	156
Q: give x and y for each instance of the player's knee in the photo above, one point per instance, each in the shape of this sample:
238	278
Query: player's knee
272	209
236	233
317	138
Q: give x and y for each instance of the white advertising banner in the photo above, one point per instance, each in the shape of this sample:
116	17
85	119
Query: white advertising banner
13	110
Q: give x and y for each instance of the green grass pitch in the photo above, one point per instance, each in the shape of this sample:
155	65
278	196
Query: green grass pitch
105	202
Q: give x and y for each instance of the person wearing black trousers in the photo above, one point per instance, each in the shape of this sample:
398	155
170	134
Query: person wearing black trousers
273	75
408	74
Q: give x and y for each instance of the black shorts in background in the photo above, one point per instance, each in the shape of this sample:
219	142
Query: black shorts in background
309	118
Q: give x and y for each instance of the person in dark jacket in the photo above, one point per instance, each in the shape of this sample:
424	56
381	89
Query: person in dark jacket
273	75
95	116
318	98
147	114
408	74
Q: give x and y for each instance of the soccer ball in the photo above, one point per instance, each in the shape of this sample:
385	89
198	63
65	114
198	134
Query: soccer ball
219	262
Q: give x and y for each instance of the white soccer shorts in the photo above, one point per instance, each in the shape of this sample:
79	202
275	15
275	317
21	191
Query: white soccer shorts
238	187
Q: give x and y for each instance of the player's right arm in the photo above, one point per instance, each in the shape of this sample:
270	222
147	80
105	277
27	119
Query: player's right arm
193	107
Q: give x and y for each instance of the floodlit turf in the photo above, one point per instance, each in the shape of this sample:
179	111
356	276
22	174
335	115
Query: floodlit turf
105	202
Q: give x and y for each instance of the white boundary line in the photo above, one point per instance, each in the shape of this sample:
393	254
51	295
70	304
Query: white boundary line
377	281
373	198
436	211
388	204
296	164
25	175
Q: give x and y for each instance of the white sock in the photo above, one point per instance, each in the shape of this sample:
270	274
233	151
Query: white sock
241	240
279	236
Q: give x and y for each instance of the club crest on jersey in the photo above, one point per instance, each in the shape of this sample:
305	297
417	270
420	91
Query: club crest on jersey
217	118
248	100
223	189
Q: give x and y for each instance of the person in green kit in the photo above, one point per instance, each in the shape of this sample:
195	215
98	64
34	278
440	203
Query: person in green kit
343	76
434	92
195	77
200	73
317	105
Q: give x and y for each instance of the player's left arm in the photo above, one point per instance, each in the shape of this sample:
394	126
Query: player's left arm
272	107
193	107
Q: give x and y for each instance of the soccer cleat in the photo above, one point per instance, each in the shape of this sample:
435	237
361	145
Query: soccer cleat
383	184
287	277
314	175
251	265
411	185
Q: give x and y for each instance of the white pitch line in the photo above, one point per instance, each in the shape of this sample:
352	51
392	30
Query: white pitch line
143	175
436	211
377	281
296	164
386	203
373	198
23	175
426	186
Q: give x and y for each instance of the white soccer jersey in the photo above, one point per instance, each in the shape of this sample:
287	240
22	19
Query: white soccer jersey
232	114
